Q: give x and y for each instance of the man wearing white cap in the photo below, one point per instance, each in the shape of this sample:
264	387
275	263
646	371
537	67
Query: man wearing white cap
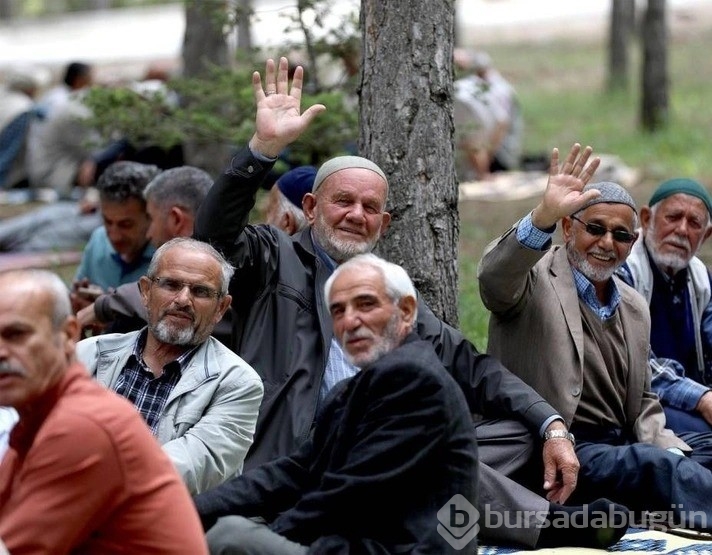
282	329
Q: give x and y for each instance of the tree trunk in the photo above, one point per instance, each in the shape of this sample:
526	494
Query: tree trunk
621	28
244	27
654	102
406	127
204	45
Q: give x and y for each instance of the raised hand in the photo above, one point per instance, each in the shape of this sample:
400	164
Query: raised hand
279	120
563	195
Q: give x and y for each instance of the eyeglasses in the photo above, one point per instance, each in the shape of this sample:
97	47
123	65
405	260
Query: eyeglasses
597	230
175	286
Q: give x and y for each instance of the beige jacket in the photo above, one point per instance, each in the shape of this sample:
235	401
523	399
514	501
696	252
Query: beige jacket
535	329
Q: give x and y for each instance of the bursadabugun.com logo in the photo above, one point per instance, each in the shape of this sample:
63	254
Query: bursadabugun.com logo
458	521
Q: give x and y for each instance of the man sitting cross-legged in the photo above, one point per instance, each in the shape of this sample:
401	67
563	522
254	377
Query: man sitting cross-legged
576	333
394	443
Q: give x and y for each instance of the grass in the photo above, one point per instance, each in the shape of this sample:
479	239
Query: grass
561	86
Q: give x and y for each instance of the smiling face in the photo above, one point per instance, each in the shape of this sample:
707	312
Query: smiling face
347	212
34	353
180	317
674	230
367	322
598	257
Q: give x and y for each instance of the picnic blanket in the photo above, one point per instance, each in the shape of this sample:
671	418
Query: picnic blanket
636	541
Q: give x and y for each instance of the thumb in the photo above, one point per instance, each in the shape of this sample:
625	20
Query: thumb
310	113
549	475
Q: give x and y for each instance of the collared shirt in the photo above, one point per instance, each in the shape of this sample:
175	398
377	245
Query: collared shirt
337	367
532	237
148	393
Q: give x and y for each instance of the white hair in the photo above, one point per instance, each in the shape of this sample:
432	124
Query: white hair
397	282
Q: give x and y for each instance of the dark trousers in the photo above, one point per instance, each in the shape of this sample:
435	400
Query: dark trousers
647	478
680	421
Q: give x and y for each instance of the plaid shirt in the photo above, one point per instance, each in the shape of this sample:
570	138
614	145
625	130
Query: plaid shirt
148	393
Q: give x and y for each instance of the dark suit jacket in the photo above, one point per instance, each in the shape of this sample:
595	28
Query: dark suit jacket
390	448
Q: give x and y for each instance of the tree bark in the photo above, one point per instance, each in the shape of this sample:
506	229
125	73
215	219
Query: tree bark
654	101
621	28
244	26
406	127
204	45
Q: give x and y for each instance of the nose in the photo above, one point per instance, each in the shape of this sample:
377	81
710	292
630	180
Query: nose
606	241
352	319
357	213
183	297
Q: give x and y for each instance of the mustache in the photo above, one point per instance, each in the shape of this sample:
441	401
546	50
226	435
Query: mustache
180	312
7	368
358	334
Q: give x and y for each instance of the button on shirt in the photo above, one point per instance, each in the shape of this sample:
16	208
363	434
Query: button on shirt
148	393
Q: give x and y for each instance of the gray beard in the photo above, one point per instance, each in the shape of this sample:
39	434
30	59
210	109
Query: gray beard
172	336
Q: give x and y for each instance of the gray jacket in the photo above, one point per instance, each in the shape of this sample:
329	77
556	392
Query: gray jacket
209	419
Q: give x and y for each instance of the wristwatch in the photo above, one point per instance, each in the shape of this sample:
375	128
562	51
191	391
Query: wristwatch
563	434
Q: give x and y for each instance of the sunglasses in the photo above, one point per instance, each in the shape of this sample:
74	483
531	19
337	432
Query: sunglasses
597	230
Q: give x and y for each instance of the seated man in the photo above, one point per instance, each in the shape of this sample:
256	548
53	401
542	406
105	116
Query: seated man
278	291
664	268
576	333
117	252
172	199
284	204
402	420
83	474
199	398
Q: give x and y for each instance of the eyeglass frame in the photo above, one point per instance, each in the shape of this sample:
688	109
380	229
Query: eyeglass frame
210	293
598	230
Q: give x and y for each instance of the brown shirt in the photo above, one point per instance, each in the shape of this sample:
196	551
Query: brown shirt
83	474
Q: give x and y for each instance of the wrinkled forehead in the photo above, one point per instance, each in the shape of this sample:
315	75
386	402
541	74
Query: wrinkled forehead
355	180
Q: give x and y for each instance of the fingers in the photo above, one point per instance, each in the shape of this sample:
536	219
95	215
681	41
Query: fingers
282	85
571	159
270	77
588	172
554	164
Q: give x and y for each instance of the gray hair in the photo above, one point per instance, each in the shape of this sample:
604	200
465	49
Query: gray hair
185	186
124	180
45	280
397	282
226	269
286	206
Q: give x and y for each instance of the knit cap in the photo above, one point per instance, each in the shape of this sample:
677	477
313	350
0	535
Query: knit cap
611	193
339	163
296	183
684	186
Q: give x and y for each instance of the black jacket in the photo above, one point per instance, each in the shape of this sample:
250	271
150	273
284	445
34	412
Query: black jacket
282	328
389	449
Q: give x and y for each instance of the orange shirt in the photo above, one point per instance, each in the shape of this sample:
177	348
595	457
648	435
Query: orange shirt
84	474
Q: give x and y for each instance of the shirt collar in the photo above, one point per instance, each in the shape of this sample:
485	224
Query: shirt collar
587	293
179	364
321	253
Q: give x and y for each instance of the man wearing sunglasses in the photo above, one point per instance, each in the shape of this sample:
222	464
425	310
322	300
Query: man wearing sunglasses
664	268
578	335
198	397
